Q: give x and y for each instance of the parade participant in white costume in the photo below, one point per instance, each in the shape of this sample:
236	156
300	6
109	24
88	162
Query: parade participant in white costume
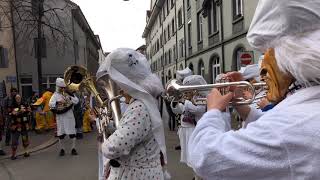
176	107
181	74
61	103
281	144
191	114
134	148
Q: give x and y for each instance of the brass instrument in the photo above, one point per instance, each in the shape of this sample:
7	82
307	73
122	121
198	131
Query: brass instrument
174	91
77	78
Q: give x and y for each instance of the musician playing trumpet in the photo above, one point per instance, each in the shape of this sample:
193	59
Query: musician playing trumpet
61	103
283	142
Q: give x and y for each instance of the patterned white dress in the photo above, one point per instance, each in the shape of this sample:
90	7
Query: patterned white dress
133	145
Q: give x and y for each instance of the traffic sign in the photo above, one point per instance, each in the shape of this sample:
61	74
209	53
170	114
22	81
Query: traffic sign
246	57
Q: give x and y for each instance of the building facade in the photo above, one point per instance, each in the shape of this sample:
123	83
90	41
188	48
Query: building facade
208	36
77	46
8	72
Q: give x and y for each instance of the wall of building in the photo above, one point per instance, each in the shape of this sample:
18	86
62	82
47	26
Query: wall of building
8	70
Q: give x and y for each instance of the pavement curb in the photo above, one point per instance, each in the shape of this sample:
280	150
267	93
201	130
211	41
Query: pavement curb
43	146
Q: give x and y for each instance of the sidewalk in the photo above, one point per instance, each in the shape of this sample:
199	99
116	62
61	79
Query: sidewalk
178	171
37	142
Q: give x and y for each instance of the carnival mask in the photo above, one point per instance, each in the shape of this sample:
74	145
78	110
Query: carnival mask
278	82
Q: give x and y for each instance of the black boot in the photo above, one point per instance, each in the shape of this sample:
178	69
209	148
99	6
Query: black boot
74	152
79	136
2	153
178	147
62	153
26	154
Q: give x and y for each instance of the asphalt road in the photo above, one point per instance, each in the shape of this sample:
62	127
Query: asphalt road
47	165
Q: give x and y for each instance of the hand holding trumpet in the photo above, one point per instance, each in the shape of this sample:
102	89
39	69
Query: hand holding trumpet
215	100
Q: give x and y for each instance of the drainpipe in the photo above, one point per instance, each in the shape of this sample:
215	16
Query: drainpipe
222	36
73	36
184	32
175	25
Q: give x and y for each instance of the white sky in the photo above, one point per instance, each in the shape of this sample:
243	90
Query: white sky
118	23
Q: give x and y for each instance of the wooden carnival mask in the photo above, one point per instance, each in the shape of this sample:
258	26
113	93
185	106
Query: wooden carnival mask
278	82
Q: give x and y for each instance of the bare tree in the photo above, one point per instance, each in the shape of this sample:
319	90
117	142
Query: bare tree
39	20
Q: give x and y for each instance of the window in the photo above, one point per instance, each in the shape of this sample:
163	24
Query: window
216	70
237	9
43	47
76	49
181	67
161	60
168	9
4	60
172	26
169	76
191	67
201	69
169	36
188	4
174	52
189	35
212	18
181	48
199	25
179	18
165	36
169	54
165	58
236	65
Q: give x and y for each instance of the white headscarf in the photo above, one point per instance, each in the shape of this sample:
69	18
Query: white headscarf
251	71
60	83
183	74
195	80
274	19
131	71
291	27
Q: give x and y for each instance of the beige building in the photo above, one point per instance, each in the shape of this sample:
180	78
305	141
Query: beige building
8	73
208	36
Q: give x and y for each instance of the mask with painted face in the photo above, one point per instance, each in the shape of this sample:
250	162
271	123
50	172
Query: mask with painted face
277	81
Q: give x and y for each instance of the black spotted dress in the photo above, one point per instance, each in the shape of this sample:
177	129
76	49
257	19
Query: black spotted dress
134	147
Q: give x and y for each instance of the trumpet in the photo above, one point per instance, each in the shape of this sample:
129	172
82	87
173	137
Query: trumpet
174	91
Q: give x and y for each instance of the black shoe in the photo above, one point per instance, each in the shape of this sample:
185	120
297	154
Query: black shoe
79	136
13	157
62	153
26	154
2	153
177	148
74	152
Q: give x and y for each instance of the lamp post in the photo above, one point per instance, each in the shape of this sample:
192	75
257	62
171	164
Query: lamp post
39	42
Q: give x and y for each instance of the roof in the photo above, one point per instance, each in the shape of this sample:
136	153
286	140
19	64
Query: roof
153	16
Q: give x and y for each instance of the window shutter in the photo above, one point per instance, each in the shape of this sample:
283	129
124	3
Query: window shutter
5	58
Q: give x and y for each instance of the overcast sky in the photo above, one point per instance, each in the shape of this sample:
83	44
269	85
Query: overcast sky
118	23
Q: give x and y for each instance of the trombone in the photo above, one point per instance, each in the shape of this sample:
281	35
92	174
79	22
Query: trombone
174	91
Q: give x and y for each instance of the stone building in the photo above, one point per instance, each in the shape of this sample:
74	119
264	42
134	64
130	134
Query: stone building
208	36
8	72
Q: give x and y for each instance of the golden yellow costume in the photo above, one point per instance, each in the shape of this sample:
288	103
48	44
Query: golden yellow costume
46	114
86	121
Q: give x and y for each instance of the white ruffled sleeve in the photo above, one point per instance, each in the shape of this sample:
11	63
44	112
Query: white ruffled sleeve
216	153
